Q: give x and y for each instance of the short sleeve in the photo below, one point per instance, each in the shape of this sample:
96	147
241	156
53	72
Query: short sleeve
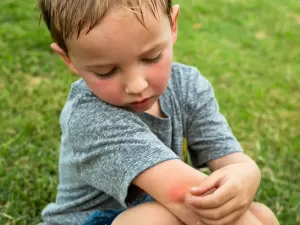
112	146
207	131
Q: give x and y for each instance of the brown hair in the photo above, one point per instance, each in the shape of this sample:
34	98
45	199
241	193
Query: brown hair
65	18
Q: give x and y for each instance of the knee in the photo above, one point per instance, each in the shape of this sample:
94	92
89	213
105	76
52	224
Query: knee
263	214
147	214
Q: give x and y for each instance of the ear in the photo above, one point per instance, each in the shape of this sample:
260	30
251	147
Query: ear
64	56
175	14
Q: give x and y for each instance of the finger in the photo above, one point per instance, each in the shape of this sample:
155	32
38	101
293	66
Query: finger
229	219
218	213
210	182
211	191
215	200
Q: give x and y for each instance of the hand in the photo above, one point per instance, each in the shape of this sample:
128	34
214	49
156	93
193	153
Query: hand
225	195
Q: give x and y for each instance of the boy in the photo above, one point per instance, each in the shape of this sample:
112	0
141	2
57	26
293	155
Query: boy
123	123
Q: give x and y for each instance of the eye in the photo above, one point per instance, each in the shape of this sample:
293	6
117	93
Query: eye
153	60
106	76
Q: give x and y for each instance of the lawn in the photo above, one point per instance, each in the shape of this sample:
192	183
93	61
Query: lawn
249	50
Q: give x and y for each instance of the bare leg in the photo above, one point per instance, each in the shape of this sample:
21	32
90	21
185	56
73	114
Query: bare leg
248	219
258	214
155	214
151	213
263	213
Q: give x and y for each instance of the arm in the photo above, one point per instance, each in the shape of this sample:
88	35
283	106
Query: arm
212	143
168	183
233	158
235	180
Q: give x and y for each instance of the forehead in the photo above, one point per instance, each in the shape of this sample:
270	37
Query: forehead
121	29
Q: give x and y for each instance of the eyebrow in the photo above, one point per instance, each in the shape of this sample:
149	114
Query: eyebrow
145	53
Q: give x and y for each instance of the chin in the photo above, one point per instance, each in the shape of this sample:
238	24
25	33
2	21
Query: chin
139	110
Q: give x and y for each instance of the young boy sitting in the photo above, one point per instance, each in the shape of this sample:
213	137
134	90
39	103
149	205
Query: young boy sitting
123	123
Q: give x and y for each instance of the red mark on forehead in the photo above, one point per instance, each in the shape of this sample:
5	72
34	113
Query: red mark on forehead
177	193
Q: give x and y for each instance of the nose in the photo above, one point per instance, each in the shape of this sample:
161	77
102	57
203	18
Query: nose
136	85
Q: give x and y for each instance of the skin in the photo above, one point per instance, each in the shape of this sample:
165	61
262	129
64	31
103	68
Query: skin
124	66
129	67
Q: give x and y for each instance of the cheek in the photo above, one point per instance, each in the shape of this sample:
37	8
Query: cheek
160	73
107	90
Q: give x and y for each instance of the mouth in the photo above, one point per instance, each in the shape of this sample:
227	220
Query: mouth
141	104
140	101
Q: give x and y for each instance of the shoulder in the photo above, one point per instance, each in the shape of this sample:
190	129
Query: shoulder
186	80
183	68
183	71
78	93
187	76
84	112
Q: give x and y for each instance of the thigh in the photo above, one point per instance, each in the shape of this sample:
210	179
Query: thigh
151	213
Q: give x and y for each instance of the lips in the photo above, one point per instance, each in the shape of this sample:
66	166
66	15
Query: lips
140	104
137	102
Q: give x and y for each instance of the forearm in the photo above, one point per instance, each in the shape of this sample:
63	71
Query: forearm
168	183
233	158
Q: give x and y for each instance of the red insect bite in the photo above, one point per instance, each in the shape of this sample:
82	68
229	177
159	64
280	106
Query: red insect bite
177	193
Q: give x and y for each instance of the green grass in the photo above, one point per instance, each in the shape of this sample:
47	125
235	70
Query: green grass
249	50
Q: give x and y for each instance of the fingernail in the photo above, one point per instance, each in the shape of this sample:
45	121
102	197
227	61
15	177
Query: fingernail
194	189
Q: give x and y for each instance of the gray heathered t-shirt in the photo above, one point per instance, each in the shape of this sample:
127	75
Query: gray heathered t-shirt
103	148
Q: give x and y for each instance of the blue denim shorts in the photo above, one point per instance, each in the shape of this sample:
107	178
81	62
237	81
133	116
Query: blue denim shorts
106	217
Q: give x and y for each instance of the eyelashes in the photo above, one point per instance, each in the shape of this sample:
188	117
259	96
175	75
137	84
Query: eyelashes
111	73
106	76
153	60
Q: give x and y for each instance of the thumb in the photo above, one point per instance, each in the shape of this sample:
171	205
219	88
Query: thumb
208	185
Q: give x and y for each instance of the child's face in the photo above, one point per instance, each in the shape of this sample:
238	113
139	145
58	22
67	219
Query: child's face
122	62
